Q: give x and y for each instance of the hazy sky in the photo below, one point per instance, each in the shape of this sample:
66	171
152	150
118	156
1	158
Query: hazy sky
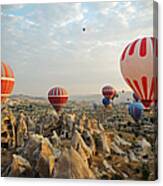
45	44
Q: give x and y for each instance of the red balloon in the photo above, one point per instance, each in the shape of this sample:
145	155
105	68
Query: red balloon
139	62
7	81
108	92
58	97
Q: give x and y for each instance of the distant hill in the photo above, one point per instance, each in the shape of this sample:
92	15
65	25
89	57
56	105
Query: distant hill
22	96
95	98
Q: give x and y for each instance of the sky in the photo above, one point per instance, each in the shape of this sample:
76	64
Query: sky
45	44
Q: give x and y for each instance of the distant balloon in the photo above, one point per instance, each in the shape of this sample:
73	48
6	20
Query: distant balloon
136	110
84	29
128	99
7	81
139	68
106	101
110	106
135	96
108	92
58	98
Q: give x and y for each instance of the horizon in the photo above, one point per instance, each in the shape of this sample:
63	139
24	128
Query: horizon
70	95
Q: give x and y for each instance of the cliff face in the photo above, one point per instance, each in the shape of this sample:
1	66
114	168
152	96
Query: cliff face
83	144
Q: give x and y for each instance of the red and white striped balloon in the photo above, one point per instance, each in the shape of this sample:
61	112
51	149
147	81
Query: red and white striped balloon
7	81
108	91
138	64
58	97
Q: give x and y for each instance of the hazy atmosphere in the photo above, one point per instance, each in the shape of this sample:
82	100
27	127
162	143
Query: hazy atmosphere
46	44
84	104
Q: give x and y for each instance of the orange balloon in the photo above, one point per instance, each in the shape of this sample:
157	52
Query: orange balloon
7	81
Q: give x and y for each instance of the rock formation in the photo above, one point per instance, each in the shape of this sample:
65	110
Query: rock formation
82	142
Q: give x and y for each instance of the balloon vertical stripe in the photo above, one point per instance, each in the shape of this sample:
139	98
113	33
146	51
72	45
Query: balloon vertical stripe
130	84
145	86
143	48
124	53
132	48
138	88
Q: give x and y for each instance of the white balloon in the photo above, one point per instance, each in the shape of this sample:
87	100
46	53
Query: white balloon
139	68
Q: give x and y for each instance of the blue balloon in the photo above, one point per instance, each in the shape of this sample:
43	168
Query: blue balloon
106	101
136	110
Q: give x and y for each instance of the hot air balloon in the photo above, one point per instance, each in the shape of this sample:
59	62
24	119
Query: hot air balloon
58	98
108	92
123	91
139	68
84	29
7	81
136	110
128	99
135	96
105	101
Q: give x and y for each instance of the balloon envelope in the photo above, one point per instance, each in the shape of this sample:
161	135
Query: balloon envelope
7	81
139	68
136	110
105	101
58	98
84	29
108	92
